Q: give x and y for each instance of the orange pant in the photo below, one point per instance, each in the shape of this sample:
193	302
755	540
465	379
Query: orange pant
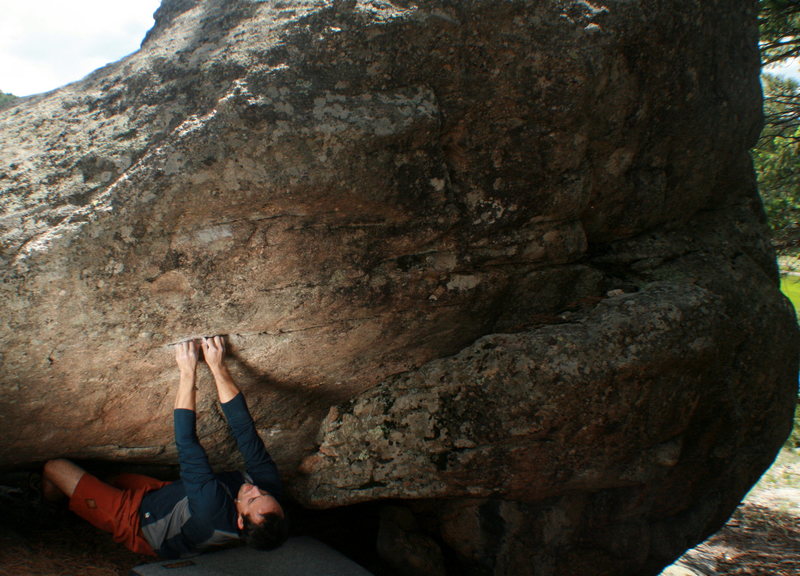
115	507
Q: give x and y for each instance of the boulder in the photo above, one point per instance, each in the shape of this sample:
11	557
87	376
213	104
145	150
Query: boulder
500	263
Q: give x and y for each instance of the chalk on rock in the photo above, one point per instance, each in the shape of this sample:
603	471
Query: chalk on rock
298	556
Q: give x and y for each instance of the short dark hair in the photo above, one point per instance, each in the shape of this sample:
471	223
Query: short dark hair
267	535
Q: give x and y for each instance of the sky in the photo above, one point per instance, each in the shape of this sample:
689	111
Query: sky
790	69
45	44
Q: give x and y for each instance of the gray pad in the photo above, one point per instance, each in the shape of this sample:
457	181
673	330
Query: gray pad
298	556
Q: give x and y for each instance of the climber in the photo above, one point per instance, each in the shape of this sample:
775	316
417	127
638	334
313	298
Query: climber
201	510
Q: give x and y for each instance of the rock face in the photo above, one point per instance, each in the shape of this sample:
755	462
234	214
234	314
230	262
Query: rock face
501	261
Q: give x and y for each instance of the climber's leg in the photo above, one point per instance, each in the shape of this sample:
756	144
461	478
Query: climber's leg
60	477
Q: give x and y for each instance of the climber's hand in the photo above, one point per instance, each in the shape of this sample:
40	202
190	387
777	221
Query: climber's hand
214	351
186	353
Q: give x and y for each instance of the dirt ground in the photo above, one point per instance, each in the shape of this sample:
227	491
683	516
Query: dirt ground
762	537
36	540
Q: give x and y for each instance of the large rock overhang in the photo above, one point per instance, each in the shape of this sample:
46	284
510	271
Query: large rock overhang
470	252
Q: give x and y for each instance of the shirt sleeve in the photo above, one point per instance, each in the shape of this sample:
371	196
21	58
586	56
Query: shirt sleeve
260	466
194	467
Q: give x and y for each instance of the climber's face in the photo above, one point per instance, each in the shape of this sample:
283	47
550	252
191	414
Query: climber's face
255	503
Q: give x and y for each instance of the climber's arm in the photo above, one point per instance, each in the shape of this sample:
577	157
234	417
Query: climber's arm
186	358
260	465
194	467
214	353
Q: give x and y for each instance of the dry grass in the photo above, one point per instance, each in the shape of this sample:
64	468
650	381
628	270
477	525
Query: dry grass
39	559
77	551
762	538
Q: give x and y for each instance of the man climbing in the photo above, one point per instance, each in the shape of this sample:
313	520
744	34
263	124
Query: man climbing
202	510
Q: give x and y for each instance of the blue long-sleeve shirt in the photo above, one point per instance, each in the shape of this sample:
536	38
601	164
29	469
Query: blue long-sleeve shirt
198	511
